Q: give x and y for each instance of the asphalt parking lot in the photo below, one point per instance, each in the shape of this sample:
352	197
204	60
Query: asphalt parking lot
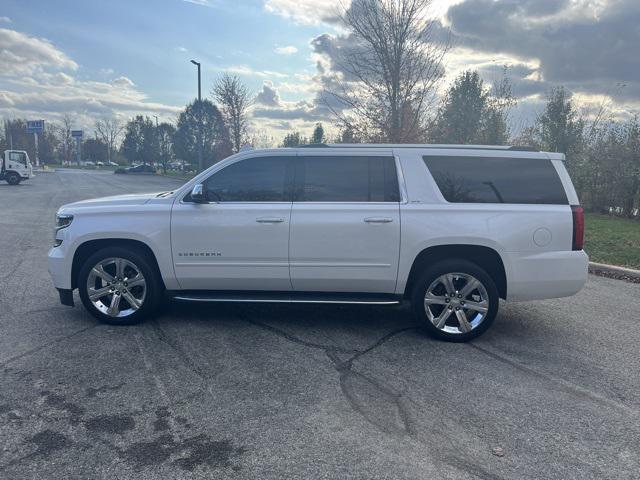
311	392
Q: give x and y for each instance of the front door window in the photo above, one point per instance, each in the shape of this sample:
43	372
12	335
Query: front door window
260	179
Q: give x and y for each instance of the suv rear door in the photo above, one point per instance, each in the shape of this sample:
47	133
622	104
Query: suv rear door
345	221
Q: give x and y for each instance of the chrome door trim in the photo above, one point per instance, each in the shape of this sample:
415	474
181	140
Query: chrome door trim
404	198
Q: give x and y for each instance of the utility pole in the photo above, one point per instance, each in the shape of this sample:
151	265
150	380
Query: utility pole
158	144
199	139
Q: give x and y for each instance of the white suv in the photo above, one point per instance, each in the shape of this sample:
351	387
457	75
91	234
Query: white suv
450	228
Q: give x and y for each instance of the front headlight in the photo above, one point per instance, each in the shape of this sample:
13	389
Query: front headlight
63	221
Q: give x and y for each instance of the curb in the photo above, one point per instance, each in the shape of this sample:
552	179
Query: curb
612	271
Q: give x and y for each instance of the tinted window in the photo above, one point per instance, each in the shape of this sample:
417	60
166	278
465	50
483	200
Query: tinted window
346	179
260	179
497	180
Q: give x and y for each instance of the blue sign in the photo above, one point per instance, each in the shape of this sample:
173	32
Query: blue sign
76	133
35	126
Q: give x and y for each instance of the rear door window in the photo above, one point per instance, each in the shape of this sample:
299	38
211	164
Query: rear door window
346	179
497	180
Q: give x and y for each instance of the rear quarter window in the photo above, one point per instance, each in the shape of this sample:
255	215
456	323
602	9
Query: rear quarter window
497	180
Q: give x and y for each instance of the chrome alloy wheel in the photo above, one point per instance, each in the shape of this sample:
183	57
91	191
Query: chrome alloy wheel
456	303
116	287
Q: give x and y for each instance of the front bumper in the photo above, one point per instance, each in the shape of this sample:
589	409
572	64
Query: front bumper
59	266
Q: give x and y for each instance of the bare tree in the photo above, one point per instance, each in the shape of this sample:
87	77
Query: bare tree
389	69
109	131
234	100
62	132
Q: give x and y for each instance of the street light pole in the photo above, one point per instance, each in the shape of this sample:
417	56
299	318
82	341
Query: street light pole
200	162
164	168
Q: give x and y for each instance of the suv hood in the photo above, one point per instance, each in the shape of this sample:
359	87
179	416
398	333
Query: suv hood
116	200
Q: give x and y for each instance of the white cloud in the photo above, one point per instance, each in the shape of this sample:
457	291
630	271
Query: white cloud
268	96
24	54
37	80
309	12
181	49
5	20
203	3
246	70
123	82
288	50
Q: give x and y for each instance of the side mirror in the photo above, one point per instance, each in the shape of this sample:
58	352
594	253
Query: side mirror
197	193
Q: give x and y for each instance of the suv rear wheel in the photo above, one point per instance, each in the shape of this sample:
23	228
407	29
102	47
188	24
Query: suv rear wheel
456	299
119	286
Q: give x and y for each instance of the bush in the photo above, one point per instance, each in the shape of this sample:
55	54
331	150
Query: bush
120	170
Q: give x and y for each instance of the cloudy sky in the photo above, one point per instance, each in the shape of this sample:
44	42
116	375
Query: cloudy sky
94	59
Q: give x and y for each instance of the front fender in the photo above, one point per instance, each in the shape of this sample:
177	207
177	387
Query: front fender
150	226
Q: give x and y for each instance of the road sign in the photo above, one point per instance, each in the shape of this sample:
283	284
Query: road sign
76	133
35	126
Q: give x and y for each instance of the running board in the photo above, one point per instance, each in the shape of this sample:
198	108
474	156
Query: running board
286	297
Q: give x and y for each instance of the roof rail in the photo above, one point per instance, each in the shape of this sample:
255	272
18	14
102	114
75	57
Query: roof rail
424	145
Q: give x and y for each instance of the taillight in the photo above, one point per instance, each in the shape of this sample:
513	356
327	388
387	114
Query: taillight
578	227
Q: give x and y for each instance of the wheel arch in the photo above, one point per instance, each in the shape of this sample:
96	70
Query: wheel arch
88	248
485	257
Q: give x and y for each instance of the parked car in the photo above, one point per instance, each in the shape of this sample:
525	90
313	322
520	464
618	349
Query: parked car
137	169
100	164
112	164
449	229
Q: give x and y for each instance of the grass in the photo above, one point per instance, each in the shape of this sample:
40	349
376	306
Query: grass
612	240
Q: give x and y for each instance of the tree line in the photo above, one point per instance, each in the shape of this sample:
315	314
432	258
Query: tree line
224	121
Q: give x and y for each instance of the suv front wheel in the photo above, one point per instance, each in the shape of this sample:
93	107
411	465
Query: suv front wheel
456	299
119	286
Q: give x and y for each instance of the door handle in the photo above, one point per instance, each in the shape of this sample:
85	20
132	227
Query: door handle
378	220
270	220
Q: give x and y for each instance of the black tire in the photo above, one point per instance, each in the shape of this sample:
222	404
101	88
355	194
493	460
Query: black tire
453	266
13	178
146	266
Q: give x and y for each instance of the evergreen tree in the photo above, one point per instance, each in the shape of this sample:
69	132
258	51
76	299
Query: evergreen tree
293	139
459	119
216	144
140	141
559	127
318	134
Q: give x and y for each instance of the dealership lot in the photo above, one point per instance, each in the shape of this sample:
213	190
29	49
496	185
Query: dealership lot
264	391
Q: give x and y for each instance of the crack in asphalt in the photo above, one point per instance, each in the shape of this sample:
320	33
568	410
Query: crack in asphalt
9	360
299	341
176	347
378	403
566	386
